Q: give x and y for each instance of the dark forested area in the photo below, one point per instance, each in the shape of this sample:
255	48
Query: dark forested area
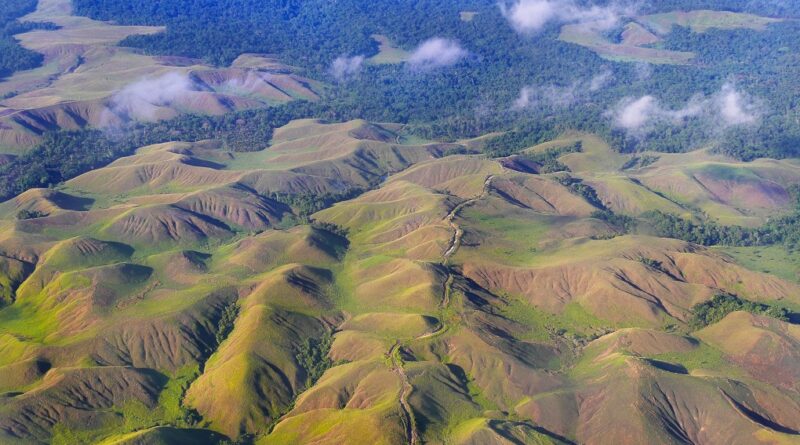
714	310
783	230
767	64
13	57
467	99
308	33
475	96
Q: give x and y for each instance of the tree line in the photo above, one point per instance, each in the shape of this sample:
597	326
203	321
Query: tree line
67	154
781	230
14	57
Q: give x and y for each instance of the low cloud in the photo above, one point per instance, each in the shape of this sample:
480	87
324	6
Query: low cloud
601	80
436	53
735	107
525	99
531	16
549	95
634	114
555	96
141	100
344	68
727	108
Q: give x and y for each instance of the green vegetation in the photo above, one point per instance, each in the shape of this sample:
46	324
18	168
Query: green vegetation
442	104
226	322
639	162
518	139
135	416
368	270
653	264
621	223
776	260
13	57
29	214
283	27
313	357
574	323
585	191
296	281
701	357
782	230
548	159
714	310
330	227
514	239
306	205
64	155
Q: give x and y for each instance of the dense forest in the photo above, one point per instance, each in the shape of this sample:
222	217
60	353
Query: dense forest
782	230
13	57
714	310
470	98
475	96
309	33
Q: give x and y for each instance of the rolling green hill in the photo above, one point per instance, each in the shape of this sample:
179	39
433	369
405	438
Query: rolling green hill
393	222
181	294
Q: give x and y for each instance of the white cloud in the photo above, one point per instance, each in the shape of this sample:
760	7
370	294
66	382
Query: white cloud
726	108
436	53
736	108
525	98
344	67
532	96
549	95
634	114
529	16
141	100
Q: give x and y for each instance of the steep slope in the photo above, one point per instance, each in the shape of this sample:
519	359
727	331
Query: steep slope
765	347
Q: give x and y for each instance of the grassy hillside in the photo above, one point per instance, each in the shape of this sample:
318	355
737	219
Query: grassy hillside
192	293
261	222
